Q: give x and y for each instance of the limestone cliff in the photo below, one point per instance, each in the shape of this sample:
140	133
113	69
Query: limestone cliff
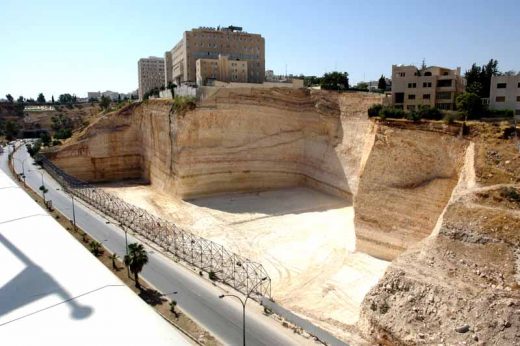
406	183
462	284
237	140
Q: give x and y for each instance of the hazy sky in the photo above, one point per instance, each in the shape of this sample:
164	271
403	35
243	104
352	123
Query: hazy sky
78	46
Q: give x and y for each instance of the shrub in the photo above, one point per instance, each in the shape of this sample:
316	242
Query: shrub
213	276
374	110
95	248
182	104
469	105
511	194
430	113
413	115
390	112
499	113
449	118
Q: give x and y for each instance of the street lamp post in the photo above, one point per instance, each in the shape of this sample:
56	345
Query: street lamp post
243	302
43	184
73	210
23	167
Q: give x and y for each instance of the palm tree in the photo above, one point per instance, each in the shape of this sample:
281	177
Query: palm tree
135	260
114	257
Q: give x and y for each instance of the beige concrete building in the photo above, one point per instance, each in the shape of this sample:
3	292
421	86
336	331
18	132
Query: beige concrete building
505	93
210	43
433	86
221	69
150	72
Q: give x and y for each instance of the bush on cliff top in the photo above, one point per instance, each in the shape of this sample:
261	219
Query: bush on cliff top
182	104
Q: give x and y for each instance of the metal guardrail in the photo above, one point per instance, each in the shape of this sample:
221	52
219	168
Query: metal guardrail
320	333
233	270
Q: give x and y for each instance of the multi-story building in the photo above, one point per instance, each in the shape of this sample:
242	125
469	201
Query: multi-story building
505	93
221	69
150	72
432	86
210	43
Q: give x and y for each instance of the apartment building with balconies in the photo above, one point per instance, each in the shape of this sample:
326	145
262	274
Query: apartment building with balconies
150	73
209	44
431	86
505	93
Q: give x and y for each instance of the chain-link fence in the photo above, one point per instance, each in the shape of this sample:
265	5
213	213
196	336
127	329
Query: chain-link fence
234	270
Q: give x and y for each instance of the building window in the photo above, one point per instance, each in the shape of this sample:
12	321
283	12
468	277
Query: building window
444	95
401	74
444	83
517	112
428	73
427	84
500	99
519	84
399	97
518	99
444	106
501	85
411	97
426	96
412	85
410	107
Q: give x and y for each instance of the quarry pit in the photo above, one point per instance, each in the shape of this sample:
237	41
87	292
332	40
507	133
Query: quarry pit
300	181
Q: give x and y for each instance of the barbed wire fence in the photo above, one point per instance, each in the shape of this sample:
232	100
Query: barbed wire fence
232	269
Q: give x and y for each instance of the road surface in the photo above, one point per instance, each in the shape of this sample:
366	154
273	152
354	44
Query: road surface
196	296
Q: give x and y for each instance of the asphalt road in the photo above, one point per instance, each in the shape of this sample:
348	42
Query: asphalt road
196	296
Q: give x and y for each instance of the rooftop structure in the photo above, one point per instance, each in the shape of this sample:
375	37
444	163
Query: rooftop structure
53	291
432	86
210	43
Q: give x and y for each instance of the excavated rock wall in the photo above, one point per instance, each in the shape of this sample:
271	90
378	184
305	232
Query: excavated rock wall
247	139
407	181
240	139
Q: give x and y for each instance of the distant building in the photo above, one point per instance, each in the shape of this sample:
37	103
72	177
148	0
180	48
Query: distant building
94	95
373	85
433	86
505	93
269	75
113	95
150	73
210	43
221	69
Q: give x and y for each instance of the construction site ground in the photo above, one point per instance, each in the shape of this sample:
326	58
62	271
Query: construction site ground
304	238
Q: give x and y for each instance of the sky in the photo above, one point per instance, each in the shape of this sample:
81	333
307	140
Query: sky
58	46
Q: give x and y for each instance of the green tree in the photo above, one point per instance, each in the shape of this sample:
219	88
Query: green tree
11	129
9	98
96	248
20	99
45	138
66	99
136	260
469	105
478	78
334	81
362	86
41	98
52	99
104	102
381	83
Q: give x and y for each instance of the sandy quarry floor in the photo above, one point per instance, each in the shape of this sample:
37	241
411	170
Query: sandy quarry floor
304	238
